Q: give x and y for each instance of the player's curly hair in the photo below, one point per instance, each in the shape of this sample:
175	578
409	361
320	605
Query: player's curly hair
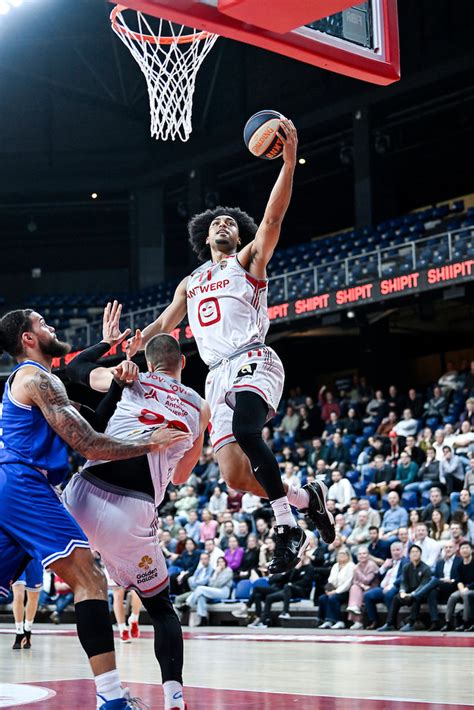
198	228
12	327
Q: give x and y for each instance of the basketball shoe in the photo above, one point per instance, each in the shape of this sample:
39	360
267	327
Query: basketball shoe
19	642
317	510
27	642
125	636
134	630
125	703
290	546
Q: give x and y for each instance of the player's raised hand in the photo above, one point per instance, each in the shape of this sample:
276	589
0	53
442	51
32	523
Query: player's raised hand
126	372
111	325
289	136
163	438
134	344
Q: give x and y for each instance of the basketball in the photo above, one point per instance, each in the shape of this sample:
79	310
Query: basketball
260	134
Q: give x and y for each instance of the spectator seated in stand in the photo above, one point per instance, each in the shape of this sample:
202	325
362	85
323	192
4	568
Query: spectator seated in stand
407	471
338	456
469	477
208	528
201	577
233	554
374	515
193	526
428	474
437	406
340	491
336	591
414	402
390	576
378	549
381	474
451	471
407	426
376	409
393	518
417	454
218	501
248	568
218	587
465	592
463	443
185	566
430	549
464	502
414	588
443	582
439	529
365	577
187	501
327	404
360	534
436	503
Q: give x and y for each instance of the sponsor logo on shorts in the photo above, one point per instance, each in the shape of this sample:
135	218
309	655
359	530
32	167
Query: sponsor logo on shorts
148	574
247	370
145	563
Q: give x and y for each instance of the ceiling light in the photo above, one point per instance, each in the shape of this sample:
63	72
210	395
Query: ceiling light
94	195
302	161
351	314
4	7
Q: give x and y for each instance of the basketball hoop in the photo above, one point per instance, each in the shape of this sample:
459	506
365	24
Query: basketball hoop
170	60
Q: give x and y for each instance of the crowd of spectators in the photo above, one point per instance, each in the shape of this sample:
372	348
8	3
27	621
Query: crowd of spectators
400	471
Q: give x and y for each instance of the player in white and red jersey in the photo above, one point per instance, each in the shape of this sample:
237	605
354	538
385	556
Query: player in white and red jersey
116	502
226	303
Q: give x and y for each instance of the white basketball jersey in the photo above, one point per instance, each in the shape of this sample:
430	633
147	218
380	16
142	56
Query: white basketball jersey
227	309
157	401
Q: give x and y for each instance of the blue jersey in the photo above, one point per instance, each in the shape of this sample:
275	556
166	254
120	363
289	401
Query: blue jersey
28	438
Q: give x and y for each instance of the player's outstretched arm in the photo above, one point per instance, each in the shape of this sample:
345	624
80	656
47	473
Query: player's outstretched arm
191	457
171	316
258	253
84	368
48	393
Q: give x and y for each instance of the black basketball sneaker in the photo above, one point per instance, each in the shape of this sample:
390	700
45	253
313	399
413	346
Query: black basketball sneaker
317	511
19	642
27	642
290	546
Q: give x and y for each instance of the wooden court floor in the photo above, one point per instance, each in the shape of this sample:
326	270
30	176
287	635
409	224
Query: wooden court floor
254	669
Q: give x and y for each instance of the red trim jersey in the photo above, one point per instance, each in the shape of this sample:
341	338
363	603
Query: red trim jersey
156	401
227	309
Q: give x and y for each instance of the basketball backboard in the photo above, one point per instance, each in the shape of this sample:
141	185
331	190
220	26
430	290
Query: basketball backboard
359	40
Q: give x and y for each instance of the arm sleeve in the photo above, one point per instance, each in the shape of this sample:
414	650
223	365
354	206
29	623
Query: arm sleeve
107	406
81	367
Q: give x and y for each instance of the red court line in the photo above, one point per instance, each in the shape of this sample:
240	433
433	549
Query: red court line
80	693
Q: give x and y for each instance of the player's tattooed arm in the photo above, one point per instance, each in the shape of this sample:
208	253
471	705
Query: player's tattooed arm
48	393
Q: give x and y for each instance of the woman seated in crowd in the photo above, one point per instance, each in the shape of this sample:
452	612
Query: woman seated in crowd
413	519
366	574
336	591
439	530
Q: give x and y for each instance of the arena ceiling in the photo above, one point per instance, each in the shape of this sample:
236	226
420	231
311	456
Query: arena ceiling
74	115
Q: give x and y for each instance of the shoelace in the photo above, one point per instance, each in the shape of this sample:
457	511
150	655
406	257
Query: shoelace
135	703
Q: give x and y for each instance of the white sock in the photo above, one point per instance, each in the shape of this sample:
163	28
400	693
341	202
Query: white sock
282	510
122	627
133	617
28	625
173	692
108	687
19	627
297	496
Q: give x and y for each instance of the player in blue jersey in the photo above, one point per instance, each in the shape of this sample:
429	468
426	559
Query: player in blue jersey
30	582
38	424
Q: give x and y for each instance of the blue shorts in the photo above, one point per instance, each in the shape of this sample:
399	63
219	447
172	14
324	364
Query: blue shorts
33	523
32	577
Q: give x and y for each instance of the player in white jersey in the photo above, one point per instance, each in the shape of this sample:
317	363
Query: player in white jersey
226	303
115	503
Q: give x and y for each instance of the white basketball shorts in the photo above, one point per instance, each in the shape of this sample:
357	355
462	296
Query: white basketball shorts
259	370
121	526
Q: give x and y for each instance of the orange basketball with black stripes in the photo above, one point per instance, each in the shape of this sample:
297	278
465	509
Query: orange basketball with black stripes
261	134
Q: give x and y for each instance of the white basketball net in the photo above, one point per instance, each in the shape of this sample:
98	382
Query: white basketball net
170	59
